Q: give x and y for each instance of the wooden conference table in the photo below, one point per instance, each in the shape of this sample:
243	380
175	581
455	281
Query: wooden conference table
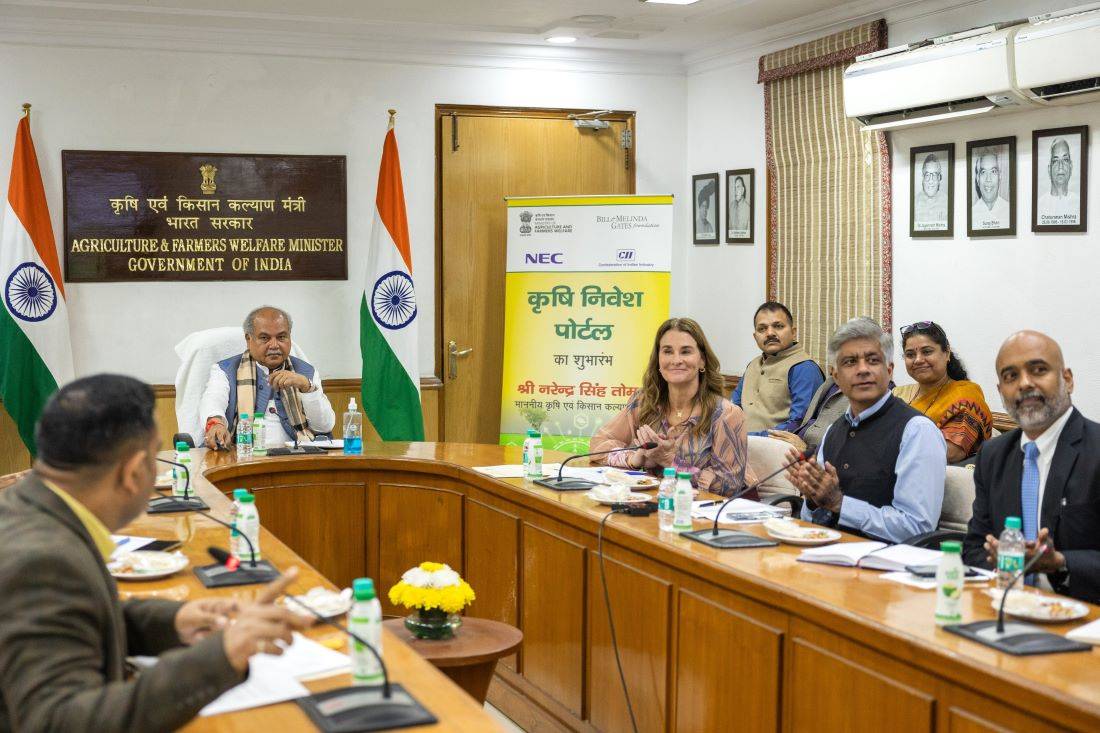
710	640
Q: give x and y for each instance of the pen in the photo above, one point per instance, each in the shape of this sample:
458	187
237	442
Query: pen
708	503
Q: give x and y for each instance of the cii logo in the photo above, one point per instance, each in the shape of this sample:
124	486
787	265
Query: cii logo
625	255
544	258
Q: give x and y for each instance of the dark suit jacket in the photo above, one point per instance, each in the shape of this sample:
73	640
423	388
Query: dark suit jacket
1071	502
64	635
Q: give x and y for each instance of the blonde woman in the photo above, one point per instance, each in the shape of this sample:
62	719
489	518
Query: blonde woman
681	408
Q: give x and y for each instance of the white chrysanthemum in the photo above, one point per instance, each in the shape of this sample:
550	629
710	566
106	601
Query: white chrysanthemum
417	578
444	578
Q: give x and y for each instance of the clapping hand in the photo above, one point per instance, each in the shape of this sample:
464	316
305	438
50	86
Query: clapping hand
819	485
665	452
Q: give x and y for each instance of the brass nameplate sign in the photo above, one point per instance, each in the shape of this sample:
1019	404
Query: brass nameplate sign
197	216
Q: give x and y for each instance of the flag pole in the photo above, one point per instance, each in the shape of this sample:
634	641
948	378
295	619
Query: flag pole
393	113
26	109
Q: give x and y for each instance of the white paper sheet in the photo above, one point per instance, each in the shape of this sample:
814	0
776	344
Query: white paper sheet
128	543
907	578
738	511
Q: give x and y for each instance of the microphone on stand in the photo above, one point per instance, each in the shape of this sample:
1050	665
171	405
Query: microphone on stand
171	504
580	484
1015	637
728	538
229	570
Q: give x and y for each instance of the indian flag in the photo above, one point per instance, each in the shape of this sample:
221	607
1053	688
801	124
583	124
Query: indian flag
35	355
388	313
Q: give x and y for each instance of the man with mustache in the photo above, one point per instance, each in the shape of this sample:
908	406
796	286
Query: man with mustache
778	385
1059	207
990	211
1047	472
265	379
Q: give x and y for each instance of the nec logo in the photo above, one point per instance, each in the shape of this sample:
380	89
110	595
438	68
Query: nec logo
544	258
624	254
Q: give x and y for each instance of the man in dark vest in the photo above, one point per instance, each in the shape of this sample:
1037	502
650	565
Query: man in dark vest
265	379
1047	472
777	386
880	468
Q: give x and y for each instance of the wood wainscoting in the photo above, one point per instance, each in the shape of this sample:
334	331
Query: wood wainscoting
14	456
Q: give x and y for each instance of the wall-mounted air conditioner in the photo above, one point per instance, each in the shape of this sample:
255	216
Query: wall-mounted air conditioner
967	73
1058	56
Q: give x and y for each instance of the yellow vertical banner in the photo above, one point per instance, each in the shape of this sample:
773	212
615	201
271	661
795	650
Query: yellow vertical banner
587	285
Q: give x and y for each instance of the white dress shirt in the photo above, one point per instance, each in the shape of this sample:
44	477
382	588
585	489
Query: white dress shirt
999	217
316	406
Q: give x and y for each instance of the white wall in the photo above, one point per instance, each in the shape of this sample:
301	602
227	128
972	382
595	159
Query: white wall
979	289
126	99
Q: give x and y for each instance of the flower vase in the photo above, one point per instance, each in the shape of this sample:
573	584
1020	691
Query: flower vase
432	623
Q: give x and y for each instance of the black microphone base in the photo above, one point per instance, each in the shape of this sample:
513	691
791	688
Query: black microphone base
362	708
565	483
219	576
172	504
301	450
728	539
1017	638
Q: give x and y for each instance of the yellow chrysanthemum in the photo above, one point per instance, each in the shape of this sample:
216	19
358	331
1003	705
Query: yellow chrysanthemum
451	599
431	567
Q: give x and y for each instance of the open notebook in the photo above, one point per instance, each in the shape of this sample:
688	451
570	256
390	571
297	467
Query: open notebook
871	555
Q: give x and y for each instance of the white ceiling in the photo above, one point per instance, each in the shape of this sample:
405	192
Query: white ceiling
629	25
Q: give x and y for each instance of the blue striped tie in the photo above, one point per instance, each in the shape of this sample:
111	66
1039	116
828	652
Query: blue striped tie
1029	497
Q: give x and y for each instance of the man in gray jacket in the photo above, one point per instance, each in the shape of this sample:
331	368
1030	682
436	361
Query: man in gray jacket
64	634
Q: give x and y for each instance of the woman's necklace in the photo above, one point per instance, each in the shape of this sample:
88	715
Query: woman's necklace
934	396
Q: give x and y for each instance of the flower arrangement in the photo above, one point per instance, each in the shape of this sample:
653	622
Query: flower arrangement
435	593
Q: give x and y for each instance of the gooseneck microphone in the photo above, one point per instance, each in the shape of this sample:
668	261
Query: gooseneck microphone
171	504
229	570
728	538
579	484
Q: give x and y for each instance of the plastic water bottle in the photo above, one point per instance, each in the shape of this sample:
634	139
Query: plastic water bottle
365	620
248	524
353	430
179	476
244	437
1010	552
681	503
949	584
259	435
532	455
665	500
234	512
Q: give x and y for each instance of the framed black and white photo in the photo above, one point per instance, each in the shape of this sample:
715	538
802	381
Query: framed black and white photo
740	195
704	190
991	187
1059	179
932	191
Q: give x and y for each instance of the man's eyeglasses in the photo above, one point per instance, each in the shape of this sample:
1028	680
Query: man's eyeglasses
918	326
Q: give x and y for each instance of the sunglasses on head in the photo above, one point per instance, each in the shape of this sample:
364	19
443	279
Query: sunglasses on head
918	326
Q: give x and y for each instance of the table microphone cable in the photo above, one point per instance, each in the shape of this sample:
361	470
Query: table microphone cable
610	619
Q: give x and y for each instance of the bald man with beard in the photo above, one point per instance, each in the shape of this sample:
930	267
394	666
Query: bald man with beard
1047	472
1059	206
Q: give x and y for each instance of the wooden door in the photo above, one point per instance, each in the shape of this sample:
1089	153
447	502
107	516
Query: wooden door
484	156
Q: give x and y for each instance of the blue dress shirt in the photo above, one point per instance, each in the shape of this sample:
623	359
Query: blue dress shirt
803	379
921	469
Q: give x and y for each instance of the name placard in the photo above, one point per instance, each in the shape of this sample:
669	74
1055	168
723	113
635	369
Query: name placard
197	216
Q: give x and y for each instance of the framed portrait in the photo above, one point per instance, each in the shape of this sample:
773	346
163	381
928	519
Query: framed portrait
740	197
991	187
1059	179
704	201
932	191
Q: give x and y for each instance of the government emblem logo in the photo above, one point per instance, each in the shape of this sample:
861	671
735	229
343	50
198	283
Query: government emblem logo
208	185
393	300
30	293
525	219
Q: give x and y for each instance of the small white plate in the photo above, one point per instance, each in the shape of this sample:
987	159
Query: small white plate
147	565
328	603
796	533
633	498
1036	607
633	480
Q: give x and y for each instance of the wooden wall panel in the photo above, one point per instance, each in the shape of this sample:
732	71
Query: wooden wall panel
726	656
333	540
641	604
492	565
552	618
421	524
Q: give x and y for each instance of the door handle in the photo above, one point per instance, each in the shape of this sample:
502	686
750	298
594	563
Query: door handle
453	353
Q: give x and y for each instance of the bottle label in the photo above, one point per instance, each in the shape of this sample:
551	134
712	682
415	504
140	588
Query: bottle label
1009	563
664	503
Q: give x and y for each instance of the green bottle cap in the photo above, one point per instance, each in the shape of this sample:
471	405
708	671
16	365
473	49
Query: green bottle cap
951	546
670	473
182	447
362	589
533	434
683	474
1013	523
259	415
238	493
248	498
